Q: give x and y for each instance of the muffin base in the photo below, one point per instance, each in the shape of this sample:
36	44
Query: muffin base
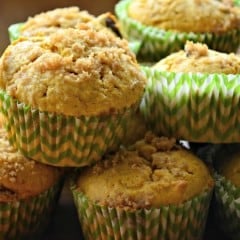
28	218
184	221
192	106
60	140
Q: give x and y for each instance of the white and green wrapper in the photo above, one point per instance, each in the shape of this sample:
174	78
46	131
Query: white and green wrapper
196	107
184	221
158	43
28	218
14	31
62	140
227	206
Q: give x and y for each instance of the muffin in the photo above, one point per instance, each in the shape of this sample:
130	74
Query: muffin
193	95
227	190
157	190
48	22
163	26
67	96
28	193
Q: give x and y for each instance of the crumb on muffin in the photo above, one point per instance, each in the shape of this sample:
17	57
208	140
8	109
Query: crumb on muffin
196	57
73	72
199	16
153	172
21	177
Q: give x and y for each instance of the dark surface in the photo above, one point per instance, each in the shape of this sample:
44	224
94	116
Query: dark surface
65	224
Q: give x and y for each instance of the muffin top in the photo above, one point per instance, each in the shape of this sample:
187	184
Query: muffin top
155	171
196	57
48	22
54	19
73	72
228	165
20	177
199	16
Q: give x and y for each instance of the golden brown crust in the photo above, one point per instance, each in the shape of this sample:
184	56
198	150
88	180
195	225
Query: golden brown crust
196	57
48	22
199	16
73	72
154	172
20	177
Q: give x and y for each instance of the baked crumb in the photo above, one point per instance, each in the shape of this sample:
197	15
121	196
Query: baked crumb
197	58
50	73
21	177
195	49
154	172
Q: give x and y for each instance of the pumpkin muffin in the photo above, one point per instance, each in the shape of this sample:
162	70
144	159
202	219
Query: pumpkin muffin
196	57
163	26
193	95
48	22
28	193
227	191
186	16
154	179
73	89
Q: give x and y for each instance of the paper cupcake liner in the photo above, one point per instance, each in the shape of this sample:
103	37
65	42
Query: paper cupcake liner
237	3
28	218
185	221
62	140
227	207
158	43
14	31
193	106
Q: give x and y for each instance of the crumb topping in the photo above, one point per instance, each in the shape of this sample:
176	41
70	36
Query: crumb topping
198	16
196	49
21	177
11	161
49	21
197	58
153	172
73	72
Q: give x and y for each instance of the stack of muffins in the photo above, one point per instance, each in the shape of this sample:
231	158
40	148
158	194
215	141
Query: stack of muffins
69	85
74	95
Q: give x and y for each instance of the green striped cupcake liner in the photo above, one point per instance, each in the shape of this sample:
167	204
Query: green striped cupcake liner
237	3
60	140
227	207
158	43
14	31
196	107
184	221
29	218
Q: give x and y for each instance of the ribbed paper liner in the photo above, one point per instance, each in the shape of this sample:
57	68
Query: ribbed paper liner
62	140
193	106
184	221
28	218
227	207
237	3
158	43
